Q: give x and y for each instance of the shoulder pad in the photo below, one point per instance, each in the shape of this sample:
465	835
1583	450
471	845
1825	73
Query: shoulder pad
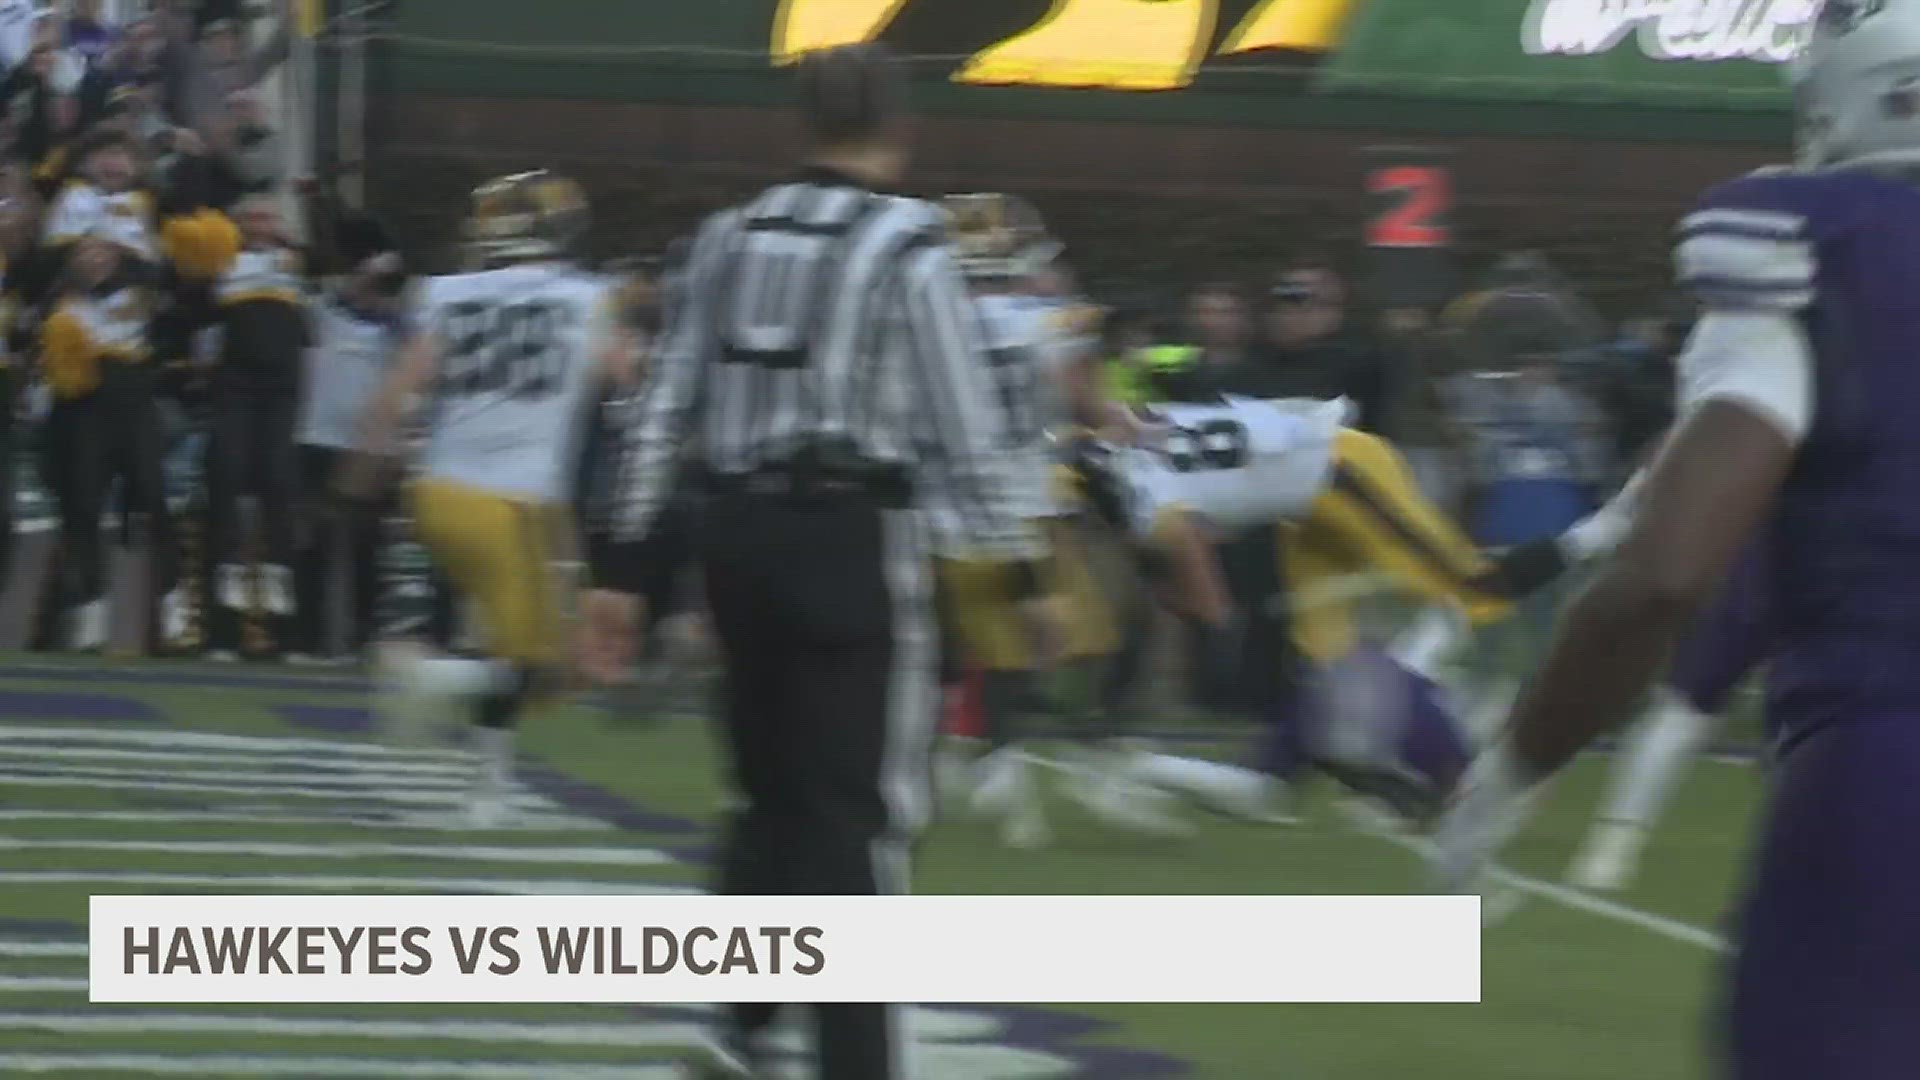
1749	244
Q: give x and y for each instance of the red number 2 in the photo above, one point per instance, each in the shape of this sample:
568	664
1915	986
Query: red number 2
1418	220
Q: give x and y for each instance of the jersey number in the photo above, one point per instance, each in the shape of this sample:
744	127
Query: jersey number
1210	447
775	300
1013	371
511	349
1418	219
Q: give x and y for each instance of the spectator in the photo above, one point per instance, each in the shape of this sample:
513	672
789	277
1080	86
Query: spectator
97	359
1632	379
69	66
18	19
259	305
89	35
250	148
144	51
1216	358
358	323
1310	352
33	103
1415	413
1125	339
223	64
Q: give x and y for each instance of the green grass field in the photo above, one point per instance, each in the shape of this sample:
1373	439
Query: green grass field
130	778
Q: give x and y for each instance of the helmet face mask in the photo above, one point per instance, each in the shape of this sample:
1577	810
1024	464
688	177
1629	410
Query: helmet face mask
997	236
526	216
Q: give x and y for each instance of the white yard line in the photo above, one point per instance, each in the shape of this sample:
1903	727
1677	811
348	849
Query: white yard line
407	796
16	753
263	849
344	1068
321	883
176	739
42	984
216	771
665	1037
43	950
1567	897
398	820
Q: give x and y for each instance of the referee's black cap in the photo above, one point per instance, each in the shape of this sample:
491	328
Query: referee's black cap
851	94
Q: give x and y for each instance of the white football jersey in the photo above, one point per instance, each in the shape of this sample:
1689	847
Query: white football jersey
519	347
1016	335
1240	463
345	367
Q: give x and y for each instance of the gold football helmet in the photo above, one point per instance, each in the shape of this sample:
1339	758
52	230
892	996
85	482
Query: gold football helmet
997	236
530	215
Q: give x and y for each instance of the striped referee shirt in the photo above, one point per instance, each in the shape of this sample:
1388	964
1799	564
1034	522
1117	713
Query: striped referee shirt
823	309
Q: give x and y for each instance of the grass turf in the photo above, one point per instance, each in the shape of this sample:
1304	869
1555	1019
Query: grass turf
1568	993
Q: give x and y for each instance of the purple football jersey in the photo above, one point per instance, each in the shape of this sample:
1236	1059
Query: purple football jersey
1841	249
1826	968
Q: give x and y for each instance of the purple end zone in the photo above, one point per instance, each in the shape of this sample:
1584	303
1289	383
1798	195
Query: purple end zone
1055	1033
36	705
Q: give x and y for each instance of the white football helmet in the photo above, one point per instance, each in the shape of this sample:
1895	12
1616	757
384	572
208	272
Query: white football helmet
1857	84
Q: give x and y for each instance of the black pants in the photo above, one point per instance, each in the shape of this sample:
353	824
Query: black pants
670	585
250	452
112	434
825	622
333	532
395	590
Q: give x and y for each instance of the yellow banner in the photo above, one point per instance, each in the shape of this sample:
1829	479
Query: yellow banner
310	16
1107	44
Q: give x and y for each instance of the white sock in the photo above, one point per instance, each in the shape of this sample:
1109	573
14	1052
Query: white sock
230	586
1653	761
1487	718
1197	777
495	747
89	628
276	583
1428	640
457	676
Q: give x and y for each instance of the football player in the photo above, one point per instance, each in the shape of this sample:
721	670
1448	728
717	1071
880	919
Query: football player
508	354
1045	377
1348	507
1794	433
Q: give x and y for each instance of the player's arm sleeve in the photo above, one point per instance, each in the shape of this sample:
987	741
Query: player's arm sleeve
1755	269
1759	360
654	438
955	405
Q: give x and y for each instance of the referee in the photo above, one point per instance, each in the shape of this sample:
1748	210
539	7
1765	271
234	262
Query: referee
824	368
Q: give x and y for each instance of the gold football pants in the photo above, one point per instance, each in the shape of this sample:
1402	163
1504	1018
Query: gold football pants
501	553
986	621
1371	519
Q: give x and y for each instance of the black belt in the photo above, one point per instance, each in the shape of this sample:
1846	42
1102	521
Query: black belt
883	487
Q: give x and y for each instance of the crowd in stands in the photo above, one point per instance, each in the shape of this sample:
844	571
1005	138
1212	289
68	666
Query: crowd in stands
158	304
1517	408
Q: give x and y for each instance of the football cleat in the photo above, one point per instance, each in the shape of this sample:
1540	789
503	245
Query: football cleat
1005	789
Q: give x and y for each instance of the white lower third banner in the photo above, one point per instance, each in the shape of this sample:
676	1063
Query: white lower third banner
696	949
